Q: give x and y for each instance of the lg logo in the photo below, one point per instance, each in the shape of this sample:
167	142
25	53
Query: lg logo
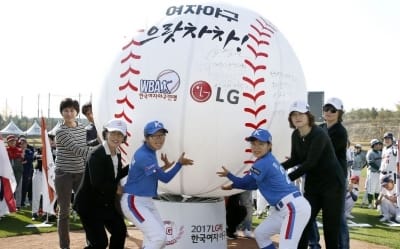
201	91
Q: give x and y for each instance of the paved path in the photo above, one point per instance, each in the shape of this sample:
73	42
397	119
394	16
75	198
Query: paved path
50	241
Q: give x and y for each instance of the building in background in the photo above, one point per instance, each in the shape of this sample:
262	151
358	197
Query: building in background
316	101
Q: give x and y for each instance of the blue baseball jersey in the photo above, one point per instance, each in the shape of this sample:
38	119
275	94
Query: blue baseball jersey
144	173
268	175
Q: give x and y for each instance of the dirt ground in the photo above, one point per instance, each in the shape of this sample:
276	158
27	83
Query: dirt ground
50	241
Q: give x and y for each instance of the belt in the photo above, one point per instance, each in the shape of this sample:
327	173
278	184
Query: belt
287	199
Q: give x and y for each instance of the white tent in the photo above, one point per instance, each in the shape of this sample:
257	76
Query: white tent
12	128
53	131
34	130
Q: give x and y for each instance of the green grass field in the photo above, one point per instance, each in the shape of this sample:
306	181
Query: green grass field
15	225
378	233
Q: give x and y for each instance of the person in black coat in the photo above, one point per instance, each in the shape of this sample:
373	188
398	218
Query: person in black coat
96	200
313	154
235	213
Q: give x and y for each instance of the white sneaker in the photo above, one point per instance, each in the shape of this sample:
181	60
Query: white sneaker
349	216
369	206
247	234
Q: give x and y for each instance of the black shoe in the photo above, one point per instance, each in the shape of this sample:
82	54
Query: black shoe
52	218
231	235
35	216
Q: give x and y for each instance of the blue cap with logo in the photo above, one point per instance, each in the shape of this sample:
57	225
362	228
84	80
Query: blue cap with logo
154	126
261	135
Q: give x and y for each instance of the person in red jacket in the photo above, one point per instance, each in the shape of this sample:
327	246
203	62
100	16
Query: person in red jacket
16	155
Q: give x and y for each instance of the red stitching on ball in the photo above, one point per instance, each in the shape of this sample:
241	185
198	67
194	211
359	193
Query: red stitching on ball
255	112
255	67
132	43
253	83
265	24
259	42
257	54
128	71
256	126
128	84
126	101
260	33
123	115
130	55
253	97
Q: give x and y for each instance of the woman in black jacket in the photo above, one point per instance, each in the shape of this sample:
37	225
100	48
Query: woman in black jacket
96	200
314	156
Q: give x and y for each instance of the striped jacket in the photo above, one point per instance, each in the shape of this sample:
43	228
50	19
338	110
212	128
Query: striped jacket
72	149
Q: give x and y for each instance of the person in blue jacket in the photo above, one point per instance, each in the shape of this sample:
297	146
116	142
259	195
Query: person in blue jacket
290	212
142	183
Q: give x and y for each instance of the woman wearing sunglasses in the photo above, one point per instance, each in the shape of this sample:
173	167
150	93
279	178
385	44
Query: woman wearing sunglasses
333	116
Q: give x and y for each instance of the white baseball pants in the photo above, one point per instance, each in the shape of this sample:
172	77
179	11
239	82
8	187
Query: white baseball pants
142	212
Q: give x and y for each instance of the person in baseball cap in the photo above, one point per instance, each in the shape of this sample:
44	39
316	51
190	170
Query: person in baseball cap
355	179
260	135
267	175
11	138
358	146
116	125
388	135
96	199
308	138
335	102
299	106
387	200
385	179
374	142
142	184
152	127
332	107
300	115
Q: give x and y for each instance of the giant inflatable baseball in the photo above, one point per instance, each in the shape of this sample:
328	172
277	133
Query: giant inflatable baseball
212	73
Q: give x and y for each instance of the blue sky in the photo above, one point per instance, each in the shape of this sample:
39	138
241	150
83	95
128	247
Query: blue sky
347	48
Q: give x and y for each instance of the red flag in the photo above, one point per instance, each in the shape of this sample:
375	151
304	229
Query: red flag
48	190
8	182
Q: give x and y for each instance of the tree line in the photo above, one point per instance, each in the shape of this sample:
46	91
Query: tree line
350	117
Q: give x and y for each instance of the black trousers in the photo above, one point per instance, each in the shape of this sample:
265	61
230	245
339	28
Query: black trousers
235	213
331	202
95	224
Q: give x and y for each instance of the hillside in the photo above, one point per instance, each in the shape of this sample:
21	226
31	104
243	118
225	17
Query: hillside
362	131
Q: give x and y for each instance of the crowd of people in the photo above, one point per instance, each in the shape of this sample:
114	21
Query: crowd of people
88	170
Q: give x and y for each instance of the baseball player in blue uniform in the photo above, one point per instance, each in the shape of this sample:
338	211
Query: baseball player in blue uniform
291	210
142	183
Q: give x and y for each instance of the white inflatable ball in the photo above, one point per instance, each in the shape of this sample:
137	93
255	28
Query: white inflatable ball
211	74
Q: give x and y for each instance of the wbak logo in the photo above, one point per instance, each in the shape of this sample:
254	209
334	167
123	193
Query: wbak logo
167	82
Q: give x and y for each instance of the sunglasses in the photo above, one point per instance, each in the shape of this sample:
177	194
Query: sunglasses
329	108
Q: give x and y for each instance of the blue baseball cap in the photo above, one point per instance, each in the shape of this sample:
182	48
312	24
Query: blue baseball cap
261	135
153	127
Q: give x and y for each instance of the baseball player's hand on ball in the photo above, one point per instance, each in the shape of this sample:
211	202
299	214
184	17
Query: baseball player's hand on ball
223	173
226	187
185	161
167	164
